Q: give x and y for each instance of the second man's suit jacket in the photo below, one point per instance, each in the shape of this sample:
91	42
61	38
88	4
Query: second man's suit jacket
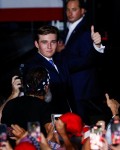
83	61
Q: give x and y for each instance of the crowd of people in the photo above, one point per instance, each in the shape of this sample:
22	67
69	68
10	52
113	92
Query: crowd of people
70	133
60	78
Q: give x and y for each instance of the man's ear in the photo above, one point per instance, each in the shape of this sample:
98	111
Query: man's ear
36	44
83	10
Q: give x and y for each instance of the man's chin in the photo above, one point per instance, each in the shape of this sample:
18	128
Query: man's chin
49	55
72	21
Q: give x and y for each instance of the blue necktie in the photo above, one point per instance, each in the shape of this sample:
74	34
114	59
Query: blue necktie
51	61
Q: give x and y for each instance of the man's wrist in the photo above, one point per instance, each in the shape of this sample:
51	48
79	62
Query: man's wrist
98	45
99	49
115	116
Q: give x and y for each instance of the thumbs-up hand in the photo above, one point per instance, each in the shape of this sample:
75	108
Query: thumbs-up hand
96	37
112	104
108	99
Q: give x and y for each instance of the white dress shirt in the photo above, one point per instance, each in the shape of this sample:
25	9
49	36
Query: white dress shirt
71	27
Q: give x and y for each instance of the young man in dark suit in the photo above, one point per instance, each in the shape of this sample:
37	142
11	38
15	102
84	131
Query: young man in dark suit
46	40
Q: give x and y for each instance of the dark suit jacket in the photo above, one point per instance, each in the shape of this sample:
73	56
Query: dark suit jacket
59	83
82	60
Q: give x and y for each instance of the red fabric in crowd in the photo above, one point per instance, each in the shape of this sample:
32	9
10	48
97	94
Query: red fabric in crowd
74	123
25	146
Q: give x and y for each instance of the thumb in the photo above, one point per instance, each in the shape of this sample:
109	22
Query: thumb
92	30
107	96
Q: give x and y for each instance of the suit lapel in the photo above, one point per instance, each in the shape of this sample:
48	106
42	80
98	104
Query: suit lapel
46	63
78	30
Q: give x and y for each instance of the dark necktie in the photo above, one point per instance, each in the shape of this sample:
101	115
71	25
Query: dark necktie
51	61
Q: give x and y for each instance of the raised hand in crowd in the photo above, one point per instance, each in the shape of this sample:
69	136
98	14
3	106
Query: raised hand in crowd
16	85
61	129
113	105
18	132
51	135
43	143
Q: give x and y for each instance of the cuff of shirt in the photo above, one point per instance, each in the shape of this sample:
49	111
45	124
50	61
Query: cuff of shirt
100	49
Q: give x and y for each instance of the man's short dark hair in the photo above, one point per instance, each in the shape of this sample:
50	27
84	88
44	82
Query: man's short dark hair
47	29
82	3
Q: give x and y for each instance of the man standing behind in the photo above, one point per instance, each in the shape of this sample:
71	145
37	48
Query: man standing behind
46	40
82	51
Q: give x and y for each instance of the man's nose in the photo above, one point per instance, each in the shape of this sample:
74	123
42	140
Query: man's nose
49	45
69	12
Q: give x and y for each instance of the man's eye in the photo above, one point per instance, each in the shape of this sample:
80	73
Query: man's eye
44	42
53	42
74	9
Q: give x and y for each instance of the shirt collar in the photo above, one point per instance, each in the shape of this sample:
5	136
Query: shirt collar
74	24
45	57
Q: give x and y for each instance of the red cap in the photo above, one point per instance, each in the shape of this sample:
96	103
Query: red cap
74	123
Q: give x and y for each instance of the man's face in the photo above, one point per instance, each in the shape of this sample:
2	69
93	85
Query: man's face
47	44
73	11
